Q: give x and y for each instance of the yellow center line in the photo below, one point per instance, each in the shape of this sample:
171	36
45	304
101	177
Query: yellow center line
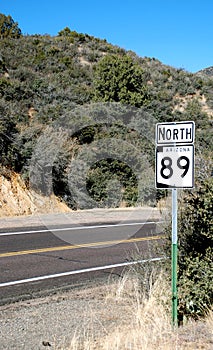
77	246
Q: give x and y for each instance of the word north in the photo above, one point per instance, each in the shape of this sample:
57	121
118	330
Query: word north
175	134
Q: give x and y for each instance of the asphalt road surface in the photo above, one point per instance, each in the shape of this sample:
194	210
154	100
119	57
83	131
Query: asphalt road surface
38	260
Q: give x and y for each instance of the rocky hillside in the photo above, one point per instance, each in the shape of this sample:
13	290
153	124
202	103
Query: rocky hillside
62	97
16	199
207	71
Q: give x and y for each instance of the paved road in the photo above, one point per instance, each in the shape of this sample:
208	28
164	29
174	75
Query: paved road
38	260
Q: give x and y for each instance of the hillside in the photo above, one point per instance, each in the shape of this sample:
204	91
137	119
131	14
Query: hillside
207	71
74	99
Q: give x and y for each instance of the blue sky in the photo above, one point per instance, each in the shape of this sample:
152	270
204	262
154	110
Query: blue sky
177	32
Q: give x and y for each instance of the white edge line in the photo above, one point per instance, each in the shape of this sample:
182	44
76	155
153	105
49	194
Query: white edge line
69	273
78	228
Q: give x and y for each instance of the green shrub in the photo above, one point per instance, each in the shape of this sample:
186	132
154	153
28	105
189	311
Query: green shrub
119	79
195	285
195	247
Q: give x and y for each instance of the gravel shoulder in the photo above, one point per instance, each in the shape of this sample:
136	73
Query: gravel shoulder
56	319
93	313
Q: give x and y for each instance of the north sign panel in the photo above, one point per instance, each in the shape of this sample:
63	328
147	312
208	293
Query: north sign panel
177	133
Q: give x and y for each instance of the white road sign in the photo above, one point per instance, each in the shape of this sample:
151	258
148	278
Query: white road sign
176	132
175	166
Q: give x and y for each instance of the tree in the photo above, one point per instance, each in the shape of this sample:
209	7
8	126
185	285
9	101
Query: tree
65	32
120	79
9	28
7	132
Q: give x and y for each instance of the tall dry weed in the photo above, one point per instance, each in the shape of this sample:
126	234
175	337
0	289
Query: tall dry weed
144	323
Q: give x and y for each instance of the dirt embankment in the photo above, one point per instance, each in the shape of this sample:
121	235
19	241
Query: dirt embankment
16	199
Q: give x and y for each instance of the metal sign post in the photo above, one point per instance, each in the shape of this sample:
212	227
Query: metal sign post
174	258
174	168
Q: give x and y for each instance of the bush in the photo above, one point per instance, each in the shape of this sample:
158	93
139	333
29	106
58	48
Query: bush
120	79
195	285
195	247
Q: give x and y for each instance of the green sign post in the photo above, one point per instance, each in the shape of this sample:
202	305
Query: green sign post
174	168
174	258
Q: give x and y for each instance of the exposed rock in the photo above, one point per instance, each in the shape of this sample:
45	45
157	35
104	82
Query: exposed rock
16	199
182	101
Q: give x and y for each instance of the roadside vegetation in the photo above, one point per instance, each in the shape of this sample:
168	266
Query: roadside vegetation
195	251
61	100
144	320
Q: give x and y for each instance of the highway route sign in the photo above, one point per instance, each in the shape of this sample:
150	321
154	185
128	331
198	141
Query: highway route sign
175	166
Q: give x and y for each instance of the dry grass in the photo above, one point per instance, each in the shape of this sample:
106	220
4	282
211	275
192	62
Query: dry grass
146	322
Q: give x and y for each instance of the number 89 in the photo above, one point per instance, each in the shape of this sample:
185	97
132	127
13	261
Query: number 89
166	163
